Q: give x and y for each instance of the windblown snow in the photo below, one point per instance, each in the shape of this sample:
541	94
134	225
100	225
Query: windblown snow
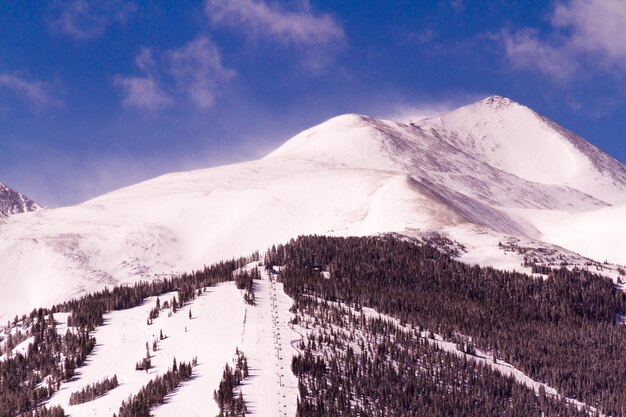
492	169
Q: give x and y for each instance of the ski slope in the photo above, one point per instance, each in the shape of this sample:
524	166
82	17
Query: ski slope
121	342
221	323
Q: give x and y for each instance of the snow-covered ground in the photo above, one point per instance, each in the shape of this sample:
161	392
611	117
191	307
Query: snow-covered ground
491	176
268	341
493	166
221	323
598	234
211	335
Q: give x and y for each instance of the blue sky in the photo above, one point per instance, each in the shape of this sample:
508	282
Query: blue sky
96	95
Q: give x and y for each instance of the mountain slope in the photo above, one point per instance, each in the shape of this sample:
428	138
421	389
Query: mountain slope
461	174
12	202
512	137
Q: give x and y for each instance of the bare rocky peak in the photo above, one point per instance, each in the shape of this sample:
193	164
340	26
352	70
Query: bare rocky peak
13	202
498	102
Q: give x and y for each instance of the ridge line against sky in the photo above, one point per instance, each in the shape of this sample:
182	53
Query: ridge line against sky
95	95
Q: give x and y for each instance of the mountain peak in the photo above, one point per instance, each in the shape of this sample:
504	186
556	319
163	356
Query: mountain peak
348	139
495	131
498	102
13	202
514	138
475	169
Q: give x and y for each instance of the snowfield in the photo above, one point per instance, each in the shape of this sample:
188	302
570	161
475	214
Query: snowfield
599	234
494	168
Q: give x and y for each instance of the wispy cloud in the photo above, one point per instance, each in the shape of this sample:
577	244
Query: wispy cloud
142	92
458	6
194	71
86	19
580	30
525	50
595	26
316	37
37	93
197	69
255	17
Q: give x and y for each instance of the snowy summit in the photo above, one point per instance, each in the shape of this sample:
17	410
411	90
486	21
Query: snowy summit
488	171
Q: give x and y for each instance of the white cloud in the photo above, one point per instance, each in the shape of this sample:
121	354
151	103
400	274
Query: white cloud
257	17
86	19
197	69
194	71
580	30
142	92
39	94
525	50
597	26
145	60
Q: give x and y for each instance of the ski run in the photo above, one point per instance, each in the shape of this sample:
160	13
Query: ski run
220	323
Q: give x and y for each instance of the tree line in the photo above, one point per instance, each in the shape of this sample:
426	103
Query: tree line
244	280
28	379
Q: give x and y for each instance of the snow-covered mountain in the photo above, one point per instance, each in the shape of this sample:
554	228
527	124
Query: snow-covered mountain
486	172
12	202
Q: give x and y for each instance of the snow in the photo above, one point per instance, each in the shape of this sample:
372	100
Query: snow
183	221
480	250
211	335
220	324
350	138
481	174
516	139
489	173
21	348
269	342
598	234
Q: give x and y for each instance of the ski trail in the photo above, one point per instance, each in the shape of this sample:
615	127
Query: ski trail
271	389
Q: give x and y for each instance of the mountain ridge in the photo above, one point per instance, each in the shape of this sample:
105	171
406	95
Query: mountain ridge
13	202
351	175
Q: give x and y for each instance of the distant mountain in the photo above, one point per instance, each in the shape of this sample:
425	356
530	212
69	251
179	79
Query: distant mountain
12	202
491	172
